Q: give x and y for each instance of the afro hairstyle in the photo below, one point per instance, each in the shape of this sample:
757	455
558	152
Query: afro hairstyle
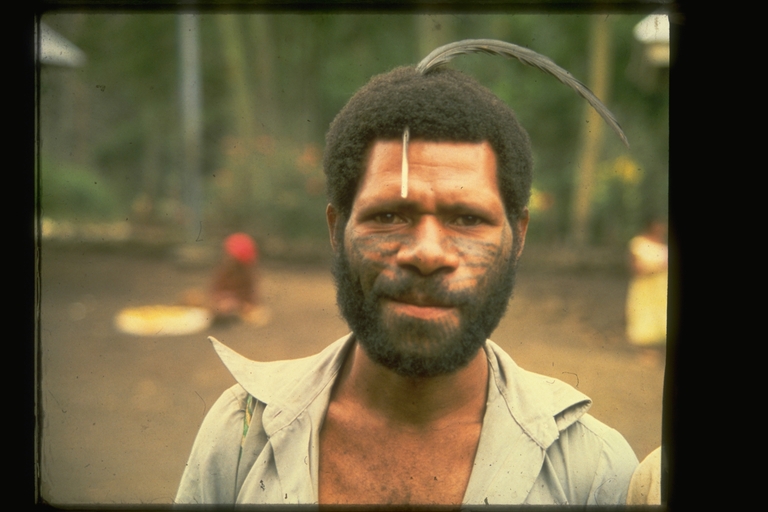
443	105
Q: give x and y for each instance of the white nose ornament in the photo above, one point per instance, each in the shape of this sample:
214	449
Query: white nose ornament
404	175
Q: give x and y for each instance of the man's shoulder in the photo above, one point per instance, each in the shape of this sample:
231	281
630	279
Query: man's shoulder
212	464
586	461
600	454
612	443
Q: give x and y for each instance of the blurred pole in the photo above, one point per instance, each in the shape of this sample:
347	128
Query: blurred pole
191	120
584	183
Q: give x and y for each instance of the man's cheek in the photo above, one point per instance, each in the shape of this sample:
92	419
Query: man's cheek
479	260
373	254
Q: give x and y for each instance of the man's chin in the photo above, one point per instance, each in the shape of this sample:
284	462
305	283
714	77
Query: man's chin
414	362
420	348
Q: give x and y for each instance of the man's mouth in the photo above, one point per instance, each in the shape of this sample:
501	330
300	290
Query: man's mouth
427	308
422	299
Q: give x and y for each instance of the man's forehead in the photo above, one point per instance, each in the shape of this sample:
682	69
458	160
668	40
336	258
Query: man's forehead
424	140
426	147
394	146
465	166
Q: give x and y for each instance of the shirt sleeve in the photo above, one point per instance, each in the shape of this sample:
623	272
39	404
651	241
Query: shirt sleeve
211	472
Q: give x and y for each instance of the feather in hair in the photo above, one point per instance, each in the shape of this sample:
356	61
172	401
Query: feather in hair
447	52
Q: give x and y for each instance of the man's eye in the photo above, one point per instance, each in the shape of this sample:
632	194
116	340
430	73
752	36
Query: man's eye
388	218
468	220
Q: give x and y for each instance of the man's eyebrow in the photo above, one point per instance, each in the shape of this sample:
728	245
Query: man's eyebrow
463	207
398	204
394	204
476	208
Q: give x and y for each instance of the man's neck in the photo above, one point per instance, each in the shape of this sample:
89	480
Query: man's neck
389	439
413	402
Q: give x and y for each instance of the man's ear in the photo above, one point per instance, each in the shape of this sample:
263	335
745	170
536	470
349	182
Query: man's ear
522	229
334	219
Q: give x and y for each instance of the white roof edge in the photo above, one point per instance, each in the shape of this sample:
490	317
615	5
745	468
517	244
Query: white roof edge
653	29
58	51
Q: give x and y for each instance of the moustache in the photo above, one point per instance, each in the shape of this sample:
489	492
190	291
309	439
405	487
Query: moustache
422	291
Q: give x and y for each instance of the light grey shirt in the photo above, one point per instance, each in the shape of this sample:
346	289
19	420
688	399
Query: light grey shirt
537	444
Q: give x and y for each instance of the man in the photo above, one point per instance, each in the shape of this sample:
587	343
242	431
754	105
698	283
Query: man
428	177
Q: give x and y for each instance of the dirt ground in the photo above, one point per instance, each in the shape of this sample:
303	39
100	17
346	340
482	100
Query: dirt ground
120	413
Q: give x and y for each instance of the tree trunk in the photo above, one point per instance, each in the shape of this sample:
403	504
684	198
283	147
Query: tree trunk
250	180
584	182
266	78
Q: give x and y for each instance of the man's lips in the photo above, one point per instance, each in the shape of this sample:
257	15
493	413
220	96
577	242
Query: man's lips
421	300
420	307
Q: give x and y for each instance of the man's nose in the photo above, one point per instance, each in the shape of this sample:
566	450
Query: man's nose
428	250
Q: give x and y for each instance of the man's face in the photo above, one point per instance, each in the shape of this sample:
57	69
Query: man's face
424	280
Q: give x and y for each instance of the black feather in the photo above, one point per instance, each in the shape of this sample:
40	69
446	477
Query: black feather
494	47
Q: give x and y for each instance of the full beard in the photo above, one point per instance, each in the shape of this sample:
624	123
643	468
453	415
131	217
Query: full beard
413	347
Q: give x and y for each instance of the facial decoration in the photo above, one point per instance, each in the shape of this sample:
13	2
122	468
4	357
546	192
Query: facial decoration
415	347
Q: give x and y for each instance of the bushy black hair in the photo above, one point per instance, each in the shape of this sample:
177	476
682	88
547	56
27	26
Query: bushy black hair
442	106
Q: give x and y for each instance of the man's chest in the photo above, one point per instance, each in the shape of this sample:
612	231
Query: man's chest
376	466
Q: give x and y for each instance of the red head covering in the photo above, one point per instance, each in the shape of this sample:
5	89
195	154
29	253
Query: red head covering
241	247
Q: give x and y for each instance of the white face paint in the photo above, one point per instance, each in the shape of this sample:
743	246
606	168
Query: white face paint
404	175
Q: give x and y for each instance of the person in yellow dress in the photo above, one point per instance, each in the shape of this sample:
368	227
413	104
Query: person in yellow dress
646	309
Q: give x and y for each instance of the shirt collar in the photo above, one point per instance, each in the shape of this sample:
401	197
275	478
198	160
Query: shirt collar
286	387
542	406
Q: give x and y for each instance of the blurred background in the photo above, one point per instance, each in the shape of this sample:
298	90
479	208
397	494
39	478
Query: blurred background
161	133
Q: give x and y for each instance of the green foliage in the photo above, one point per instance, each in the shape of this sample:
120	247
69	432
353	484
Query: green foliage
120	113
269	188
71	192
618	201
